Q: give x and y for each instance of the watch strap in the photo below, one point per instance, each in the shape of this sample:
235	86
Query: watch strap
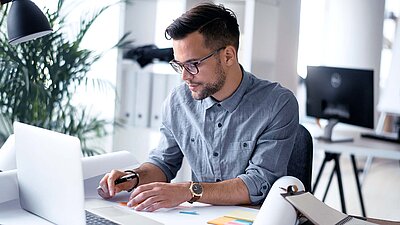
194	199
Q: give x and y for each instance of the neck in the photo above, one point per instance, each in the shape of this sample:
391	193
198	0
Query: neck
234	76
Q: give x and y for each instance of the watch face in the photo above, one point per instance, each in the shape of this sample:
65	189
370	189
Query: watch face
197	188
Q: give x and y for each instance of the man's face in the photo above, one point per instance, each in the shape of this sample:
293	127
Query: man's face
211	75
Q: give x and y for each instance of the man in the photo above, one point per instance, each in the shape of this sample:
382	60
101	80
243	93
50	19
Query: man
236	131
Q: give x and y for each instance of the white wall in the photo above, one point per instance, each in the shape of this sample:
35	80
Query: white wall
271	37
353	36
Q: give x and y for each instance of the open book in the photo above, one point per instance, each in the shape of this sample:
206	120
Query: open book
320	213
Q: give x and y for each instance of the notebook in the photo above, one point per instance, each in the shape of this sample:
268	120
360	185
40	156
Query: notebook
320	213
50	179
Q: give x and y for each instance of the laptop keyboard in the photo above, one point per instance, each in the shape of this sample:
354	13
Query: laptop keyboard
92	219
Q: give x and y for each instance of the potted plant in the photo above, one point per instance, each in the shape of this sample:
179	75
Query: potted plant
38	80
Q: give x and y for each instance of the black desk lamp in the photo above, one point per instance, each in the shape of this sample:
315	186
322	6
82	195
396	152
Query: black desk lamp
25	21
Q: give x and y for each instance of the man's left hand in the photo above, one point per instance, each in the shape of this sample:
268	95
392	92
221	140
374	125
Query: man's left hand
153	196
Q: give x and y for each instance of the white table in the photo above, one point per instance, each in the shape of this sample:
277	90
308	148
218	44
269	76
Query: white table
358	147
12	213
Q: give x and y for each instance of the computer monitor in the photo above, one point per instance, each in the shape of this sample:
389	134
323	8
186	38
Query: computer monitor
340	95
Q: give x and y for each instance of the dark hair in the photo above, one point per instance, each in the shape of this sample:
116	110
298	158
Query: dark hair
216	23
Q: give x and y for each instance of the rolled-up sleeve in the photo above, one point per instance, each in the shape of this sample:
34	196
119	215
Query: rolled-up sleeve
273	149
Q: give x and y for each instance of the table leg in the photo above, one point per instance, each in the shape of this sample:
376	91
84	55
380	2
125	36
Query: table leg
329	184
353	160
340	184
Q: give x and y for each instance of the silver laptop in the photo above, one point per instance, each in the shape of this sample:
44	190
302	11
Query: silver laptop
50	179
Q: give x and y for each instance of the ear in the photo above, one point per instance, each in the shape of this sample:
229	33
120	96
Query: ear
230	55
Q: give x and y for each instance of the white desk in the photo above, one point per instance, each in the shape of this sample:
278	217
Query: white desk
358	147
11	212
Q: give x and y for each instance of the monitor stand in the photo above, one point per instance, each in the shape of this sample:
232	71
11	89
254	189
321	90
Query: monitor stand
327	137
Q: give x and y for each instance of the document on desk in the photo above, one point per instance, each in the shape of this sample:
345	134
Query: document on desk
101	164
8	186
320	213
7	154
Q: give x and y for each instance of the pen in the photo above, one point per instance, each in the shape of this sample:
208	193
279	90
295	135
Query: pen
125	178
189	212
120	180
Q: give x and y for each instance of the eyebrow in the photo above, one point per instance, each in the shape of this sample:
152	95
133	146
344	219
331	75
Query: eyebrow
188	61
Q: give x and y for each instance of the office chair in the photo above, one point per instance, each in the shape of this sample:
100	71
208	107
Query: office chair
300	162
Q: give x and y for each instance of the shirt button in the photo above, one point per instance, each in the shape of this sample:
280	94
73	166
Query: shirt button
264	187
218	180
215	154
245	145
219	124
192	139
219	105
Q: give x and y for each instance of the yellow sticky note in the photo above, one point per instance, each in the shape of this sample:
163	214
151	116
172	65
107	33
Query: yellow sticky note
242	215
221	220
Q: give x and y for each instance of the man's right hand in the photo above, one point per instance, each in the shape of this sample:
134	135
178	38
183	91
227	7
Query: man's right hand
107	188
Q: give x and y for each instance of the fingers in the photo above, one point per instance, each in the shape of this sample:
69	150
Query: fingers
151	204
102	190
154	196
140	194
102	193
111	185
107	188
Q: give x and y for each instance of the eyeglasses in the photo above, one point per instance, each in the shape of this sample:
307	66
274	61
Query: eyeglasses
191	66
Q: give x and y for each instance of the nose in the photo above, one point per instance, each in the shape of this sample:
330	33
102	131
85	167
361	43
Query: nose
186	75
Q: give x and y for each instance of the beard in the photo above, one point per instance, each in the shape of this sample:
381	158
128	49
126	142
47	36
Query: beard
211	88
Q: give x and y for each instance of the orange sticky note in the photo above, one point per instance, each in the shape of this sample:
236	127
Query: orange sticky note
123	203
126	204
221	220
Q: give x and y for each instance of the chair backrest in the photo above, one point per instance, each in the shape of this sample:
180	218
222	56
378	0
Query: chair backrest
300	162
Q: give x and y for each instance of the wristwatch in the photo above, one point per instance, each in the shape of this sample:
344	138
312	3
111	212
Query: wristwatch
197	191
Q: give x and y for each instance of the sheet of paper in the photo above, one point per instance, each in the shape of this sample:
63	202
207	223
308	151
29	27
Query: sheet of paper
101	164
7	155
8	186
275	209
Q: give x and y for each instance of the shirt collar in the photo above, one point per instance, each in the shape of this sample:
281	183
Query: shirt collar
232	101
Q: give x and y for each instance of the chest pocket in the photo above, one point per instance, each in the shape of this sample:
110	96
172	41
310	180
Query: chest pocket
238	155
241	146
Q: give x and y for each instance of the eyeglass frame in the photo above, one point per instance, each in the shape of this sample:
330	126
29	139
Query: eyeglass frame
178	66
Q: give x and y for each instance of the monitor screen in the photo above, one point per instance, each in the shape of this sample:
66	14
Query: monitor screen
341	94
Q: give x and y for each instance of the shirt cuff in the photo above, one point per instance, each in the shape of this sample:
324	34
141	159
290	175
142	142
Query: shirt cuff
167	172
258	188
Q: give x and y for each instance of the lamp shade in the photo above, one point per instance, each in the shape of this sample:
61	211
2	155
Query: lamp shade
25	22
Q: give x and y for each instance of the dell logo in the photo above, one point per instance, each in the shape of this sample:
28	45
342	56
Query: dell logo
336	80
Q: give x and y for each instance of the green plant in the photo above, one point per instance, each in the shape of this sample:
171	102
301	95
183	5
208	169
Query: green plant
38	80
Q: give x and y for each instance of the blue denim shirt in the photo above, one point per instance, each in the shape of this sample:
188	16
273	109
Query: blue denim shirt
249	135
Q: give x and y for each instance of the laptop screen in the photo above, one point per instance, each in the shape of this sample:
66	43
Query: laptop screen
49	174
